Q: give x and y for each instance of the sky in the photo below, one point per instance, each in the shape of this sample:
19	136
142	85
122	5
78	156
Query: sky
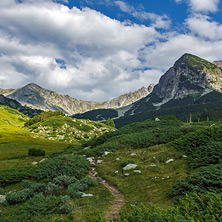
99	49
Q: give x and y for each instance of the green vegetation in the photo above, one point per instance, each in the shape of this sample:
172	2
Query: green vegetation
205	207
43	116
16	174
177	166
55	126
110	122
36	152
63	165
203	147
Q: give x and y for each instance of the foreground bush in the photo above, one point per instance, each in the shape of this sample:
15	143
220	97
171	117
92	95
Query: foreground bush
205	207
36	152
16	174
206	179
77	166
39	208
203	147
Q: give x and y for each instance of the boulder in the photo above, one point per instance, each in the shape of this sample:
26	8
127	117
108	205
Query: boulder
137	171
170	160
117	159
87	195
130	166
133	154
106	153
42	160
34	163
99	161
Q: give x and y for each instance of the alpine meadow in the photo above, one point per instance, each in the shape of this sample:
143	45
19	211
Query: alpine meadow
110	111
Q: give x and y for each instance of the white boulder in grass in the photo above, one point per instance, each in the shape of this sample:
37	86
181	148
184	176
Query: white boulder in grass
117	159
90	159
184	156
127	174
116	172
87	195
2	198
42	160
137	171
157	119
169	161
130	166
133	154
106	153
34	163
99	161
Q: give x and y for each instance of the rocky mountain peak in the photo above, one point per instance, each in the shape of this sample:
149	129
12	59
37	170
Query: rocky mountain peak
189	75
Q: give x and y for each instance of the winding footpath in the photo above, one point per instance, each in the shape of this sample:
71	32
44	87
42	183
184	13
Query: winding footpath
117	203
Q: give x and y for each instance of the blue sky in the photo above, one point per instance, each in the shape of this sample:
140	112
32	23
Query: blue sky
98	50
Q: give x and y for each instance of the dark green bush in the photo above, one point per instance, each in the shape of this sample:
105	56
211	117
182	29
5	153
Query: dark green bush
64	180
19	197
36	187
1	191
204	207
39	208
77	166
36	152
206	179
74	190
17	174
203	147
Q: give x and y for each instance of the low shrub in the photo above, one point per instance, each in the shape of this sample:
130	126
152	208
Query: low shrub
37	209
16	174
19	197
203	147
206	179
36	187
63	165
74	190
204	207
64	180
36	152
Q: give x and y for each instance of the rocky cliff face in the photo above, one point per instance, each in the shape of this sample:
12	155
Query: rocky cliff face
189	75
218	63
37	97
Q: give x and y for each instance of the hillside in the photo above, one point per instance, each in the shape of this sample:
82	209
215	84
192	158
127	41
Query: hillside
16	105
161	151
63	128
37	97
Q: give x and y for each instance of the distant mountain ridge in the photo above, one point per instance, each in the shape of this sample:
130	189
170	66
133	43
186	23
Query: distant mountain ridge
37	97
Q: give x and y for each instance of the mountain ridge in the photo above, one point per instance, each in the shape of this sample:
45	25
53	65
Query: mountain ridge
35	96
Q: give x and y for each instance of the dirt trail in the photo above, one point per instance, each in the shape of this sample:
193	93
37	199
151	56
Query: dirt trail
117	203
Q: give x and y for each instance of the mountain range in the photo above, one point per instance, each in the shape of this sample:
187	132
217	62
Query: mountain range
37	97
190	81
